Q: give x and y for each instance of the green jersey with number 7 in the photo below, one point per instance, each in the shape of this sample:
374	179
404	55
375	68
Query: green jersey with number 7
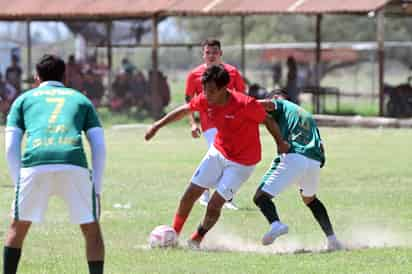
53	118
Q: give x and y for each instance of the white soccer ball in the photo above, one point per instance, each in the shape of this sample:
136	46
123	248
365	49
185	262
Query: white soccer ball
163	236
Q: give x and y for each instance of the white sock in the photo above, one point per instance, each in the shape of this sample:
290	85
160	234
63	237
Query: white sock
332	238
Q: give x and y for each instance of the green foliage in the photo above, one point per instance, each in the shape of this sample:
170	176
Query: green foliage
294	28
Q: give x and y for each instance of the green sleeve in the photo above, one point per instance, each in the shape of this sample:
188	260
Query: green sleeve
16	117
92	120
277	104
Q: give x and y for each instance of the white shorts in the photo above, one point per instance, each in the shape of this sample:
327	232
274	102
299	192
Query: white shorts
215	171
72	183
288	169
210	136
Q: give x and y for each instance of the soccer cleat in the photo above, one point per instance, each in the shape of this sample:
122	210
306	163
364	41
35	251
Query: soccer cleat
334	245
230	205
204	199
277	229
194	245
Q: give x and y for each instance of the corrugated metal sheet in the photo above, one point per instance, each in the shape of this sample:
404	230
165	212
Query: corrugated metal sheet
221	7
341	6
231	7
83	9
106	9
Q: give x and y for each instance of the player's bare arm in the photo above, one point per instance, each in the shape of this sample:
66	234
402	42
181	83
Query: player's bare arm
194	126
172	116
267	104
273	128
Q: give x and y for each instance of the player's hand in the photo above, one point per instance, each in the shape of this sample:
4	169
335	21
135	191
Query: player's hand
283	147
151	132
196	131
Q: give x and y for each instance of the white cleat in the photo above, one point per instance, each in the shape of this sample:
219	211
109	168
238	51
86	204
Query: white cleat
230	205
277	229
192	244
203	202
334	245
204	199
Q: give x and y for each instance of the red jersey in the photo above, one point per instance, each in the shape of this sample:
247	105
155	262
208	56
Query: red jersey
237	124
194	87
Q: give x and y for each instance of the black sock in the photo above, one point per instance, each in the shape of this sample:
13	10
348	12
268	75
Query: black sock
11	258
267	207
201	231
96	267
321	215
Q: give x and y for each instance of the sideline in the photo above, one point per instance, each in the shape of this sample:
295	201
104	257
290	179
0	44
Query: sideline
326	121
363	122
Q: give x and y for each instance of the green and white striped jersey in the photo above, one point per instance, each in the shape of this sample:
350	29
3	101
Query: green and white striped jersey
298	127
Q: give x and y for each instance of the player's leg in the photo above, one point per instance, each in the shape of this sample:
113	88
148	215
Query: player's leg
284	171
30	204
263	201
94	247
190	196
321	215
214	208
13	245
209	136
76	189
206	176
234	175
308	188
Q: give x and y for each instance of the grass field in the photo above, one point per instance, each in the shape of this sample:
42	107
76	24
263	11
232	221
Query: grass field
366	186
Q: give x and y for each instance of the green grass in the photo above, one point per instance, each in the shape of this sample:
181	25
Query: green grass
366	186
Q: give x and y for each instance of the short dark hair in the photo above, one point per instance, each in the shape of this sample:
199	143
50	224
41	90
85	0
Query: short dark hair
51	68
211	43
278	92
217	74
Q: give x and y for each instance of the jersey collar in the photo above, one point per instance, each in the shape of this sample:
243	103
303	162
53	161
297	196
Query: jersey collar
51	83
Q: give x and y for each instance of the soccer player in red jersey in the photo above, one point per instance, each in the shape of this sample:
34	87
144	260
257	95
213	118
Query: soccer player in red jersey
212	55
231	159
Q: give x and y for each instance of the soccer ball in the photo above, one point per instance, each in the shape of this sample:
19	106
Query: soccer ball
163	236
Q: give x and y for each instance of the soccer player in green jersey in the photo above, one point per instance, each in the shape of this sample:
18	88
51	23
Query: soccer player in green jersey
300	165
53	118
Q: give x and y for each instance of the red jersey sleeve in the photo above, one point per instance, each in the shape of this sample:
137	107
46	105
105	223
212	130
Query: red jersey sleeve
190	85
255	111
239	83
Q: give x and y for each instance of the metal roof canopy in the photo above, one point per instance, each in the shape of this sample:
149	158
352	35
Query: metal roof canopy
121	9
109	10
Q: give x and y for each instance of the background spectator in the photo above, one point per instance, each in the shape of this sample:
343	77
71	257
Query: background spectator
291	83
73	74
7	95
14	73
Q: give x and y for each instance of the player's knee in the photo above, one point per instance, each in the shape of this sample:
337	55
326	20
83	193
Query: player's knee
260	198
308	200
256	198
187	197
191	194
